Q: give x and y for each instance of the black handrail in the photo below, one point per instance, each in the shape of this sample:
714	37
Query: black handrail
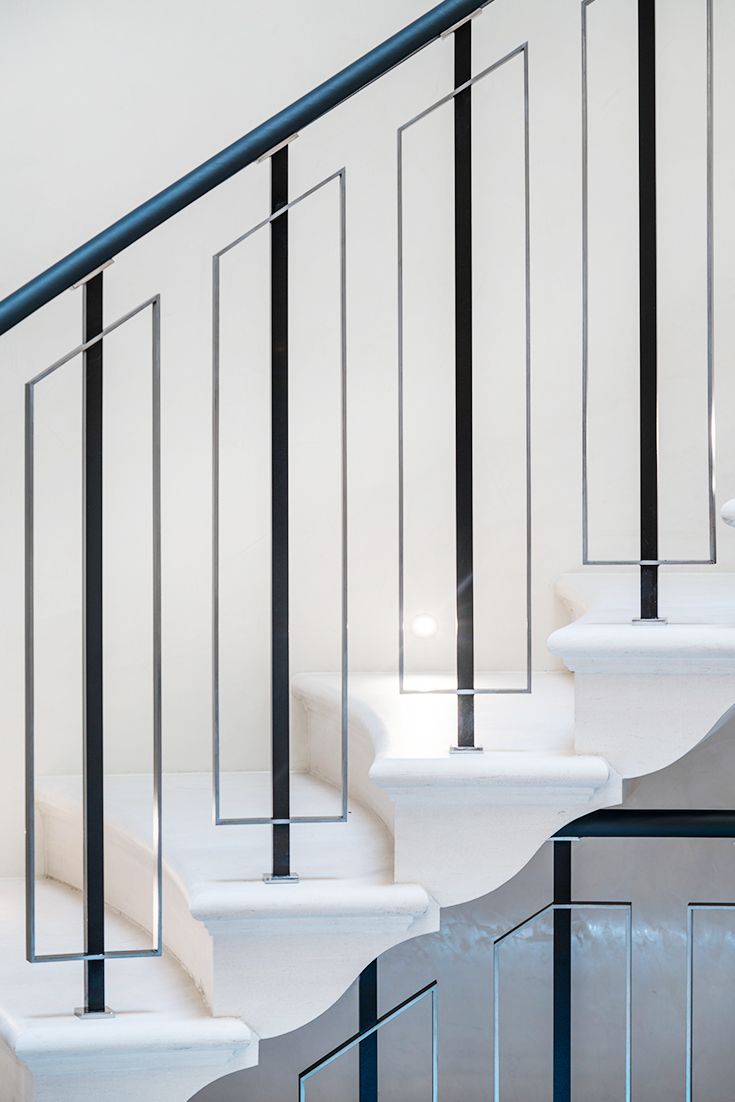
139	222
652	823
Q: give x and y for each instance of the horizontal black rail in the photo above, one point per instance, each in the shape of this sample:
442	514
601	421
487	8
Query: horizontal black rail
621	823
151	214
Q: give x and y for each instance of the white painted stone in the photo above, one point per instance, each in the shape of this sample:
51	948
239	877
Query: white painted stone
727	512
427	828
161	1044
646	695
276	955
500	805
644	722
685	597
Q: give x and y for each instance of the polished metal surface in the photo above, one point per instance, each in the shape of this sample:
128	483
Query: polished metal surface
522	53
431	990
524	925
341	176
91	275
709	354
692	909
154	304
275	149
656	822
92	1015
223	165
461	23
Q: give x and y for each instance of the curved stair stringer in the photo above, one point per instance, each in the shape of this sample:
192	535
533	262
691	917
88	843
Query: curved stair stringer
129	867
162	1043
275	956
645	695
462	824
453	827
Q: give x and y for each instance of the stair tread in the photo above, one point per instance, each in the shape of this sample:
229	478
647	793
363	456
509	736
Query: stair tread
160	1007
697	638
685	597
537	728
345	868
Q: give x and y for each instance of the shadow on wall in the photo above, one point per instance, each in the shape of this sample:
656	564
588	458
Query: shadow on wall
658	877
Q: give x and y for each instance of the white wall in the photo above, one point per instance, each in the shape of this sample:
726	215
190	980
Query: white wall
102	106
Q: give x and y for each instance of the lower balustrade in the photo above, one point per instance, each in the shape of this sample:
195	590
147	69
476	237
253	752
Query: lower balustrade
363	1079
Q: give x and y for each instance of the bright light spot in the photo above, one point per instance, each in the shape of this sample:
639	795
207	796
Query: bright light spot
424	626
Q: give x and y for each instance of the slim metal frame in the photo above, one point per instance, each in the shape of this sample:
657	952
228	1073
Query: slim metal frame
692	908
154	303
220	820
712	508
224	164
662	823
522	52
567	907
431	990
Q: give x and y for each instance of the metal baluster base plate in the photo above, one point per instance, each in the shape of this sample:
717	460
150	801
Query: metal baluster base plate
80	1012
466	750
268	878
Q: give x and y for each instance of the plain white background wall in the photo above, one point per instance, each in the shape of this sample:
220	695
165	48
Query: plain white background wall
102	106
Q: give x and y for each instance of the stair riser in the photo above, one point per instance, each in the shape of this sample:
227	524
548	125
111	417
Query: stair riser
120	1081
460	849
644	722
280	978
274	973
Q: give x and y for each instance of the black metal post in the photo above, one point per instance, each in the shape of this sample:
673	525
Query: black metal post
648	305
368	1016
280	687
94	858
562	973
463	386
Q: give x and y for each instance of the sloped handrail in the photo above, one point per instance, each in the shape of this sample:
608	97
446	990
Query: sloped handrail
151	214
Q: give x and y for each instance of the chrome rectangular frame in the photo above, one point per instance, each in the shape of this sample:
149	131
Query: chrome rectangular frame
549	908
519	51
219	819
30	818
383	1020
712	508
691	908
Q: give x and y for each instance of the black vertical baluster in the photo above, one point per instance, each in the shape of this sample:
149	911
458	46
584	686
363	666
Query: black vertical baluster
94	860
280	742
648	305
562	973
463	385
368	1016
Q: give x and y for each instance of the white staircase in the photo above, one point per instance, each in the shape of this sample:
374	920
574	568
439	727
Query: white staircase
276	955
163	1044
247	959
645	694
222	503
503	802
